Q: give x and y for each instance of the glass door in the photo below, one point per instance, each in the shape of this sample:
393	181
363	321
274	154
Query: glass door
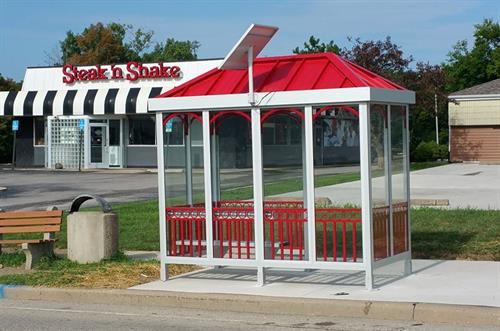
99	149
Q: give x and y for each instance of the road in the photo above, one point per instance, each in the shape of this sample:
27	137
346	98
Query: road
45	315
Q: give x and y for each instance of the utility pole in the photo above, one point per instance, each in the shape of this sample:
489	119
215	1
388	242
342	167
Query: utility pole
436	115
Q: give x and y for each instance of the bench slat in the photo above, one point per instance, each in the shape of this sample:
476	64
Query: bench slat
30	214
30	229
30	221
23	241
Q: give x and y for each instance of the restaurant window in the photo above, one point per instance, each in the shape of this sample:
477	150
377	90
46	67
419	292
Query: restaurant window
141	130
39	131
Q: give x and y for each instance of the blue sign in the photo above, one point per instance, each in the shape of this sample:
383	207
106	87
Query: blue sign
15	125
169	126
81	124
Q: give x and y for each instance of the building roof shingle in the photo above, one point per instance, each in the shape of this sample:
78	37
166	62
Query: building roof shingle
491	87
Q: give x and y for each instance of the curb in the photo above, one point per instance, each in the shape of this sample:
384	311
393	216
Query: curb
434	313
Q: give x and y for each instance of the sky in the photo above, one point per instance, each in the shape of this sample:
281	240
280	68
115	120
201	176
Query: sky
426	29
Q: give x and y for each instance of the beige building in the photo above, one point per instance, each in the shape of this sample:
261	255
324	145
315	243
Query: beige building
474	120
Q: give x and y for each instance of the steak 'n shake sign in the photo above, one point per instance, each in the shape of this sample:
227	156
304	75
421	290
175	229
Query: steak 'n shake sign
132	72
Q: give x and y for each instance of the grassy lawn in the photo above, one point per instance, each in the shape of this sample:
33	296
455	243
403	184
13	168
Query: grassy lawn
456	234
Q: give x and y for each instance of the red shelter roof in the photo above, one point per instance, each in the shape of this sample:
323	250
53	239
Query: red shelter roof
285	73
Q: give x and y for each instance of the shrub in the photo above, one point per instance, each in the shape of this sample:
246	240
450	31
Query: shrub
430	151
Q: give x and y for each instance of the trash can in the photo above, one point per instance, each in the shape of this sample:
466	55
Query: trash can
92	235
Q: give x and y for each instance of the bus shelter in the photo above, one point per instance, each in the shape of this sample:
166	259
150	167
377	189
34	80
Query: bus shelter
337	116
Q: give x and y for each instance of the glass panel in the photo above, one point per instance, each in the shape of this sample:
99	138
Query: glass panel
186	221
284	212
39	127
141	130
379	170
97	137
398	179
114	133
196	133
233	188
337	186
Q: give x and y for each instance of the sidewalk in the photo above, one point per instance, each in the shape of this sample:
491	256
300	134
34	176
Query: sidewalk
475	283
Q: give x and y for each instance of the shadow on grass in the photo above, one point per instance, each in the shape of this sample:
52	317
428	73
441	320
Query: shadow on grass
440	244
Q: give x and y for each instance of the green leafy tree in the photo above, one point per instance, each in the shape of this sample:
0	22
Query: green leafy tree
315	46
96	44
6	84
119	43
466	67
173	50
427	81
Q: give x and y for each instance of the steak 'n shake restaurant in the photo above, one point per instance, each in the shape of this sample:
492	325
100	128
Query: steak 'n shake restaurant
103	106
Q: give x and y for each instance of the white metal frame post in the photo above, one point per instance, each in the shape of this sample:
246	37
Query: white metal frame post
207	172
366	192
309	183
388	179
408	263
160	155
189	165
258	195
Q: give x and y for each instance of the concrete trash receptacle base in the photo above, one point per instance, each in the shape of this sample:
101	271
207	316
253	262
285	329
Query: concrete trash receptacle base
92	236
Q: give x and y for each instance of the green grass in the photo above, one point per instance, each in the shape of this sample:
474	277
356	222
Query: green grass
456	234
12	260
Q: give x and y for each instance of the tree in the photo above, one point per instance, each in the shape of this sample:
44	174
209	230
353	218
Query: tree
96	44
314	46
173	50
119	43
466	67
382	57
427	81
6	84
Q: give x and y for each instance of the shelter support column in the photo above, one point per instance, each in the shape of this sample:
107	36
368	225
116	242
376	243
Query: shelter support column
160	155
366	192
258	194
207	172
189	165
388	178
308	164
406	172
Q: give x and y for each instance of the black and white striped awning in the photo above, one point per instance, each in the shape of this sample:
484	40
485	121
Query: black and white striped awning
132	100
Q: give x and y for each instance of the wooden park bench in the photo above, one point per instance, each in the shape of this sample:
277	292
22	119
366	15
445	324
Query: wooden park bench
23	222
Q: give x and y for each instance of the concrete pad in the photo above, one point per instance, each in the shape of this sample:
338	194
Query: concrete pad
433	281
